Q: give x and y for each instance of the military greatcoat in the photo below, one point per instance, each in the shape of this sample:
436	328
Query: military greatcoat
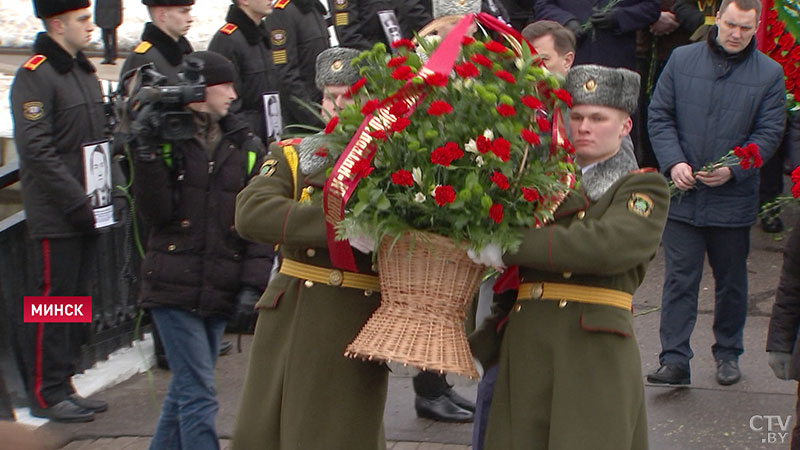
570	372
301	392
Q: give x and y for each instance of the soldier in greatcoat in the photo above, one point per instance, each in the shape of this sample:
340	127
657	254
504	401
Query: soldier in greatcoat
569	367
300	391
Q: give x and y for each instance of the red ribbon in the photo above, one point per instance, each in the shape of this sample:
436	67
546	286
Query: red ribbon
342	182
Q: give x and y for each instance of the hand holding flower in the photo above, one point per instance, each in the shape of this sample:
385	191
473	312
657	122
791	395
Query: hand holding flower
716	177
682	176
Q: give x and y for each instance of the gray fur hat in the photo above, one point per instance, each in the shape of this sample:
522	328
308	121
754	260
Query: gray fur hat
605	86
334	68
443	8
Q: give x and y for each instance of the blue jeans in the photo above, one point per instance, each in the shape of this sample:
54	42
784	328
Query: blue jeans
685	248
190	407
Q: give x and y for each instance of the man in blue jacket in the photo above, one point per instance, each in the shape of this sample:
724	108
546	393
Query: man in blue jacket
712	96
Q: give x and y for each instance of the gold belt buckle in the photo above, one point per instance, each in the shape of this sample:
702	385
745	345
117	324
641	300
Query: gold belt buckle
335	277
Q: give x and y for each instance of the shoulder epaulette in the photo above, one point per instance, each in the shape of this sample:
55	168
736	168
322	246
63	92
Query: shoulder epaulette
645	170
280	4
228	28
34	61
293	141
143	47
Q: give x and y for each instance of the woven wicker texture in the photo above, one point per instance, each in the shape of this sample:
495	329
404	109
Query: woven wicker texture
427	282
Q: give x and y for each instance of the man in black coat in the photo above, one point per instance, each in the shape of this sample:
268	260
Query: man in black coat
108	16
298	33
163	42
57	107
358	25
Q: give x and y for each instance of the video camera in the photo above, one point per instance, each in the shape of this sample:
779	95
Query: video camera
148	100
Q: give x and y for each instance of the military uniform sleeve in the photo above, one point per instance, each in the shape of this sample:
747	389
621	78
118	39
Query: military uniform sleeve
623	237
32	103
268	211
347	23
688	15
638	15
413	16
485	341
283	25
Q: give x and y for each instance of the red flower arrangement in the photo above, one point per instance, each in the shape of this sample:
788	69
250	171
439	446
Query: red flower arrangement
781	45
746	157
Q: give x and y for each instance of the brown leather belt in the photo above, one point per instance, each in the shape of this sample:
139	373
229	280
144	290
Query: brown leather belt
573	292
331	277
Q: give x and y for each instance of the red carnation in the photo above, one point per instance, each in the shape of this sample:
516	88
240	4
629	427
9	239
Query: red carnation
402	178
482	60
500	180
331	125
439	107
444	195
447	154
403	43
484	144
496	213
796	175
466	40
505	76
378	134
369	107
396	61
355	87
530	137
467	70
501	148
506	110
543	123
362	167
403	73
532	102
400	124
530	195
399	108
786	42
436	79
322	152
495	47
564	96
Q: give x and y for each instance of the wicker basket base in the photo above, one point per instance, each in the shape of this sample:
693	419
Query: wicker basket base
427	282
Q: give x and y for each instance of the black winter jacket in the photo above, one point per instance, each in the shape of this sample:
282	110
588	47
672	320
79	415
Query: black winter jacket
358	26
782	335
57	107
195	258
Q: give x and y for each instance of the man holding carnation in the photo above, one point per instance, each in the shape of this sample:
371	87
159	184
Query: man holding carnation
569	368
711	97
301	392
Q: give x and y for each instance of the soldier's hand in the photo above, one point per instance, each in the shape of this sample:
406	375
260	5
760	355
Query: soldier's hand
605	20
681	175
780	362
82	218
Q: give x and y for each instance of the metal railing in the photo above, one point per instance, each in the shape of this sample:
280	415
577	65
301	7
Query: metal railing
114	287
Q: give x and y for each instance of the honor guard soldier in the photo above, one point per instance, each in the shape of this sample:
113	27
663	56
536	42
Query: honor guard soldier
57	108
163	42
245	41
569	370
298	33
301	392
358	24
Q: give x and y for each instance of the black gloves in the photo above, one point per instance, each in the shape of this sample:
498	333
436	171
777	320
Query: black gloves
145	132
245	314
82	218
576	28
606	20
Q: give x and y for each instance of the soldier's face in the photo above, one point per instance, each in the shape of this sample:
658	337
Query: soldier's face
175	20
596	132
75	28
219	98
260	7
736	28
335	98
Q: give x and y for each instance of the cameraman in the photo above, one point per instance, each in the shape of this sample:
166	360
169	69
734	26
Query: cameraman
196	264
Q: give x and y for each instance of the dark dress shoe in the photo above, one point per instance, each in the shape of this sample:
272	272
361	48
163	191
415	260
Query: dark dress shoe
671	374
88	403
459	400
728	372
441	409
772	225
225	347
64	411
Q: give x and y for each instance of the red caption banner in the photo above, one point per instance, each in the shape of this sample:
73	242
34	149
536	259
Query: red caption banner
58	309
